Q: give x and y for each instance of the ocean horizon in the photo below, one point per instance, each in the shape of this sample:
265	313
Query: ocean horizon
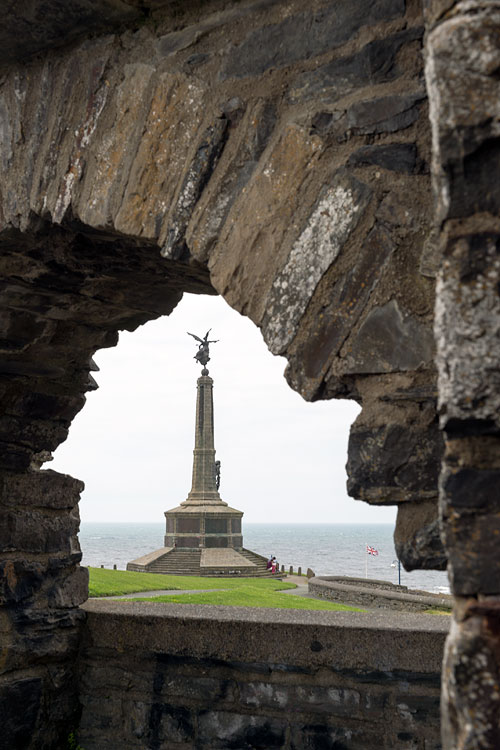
328	549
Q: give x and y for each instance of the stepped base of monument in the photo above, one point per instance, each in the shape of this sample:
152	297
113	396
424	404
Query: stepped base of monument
227	562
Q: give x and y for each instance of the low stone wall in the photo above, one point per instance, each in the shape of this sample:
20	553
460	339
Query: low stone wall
171	676
376	594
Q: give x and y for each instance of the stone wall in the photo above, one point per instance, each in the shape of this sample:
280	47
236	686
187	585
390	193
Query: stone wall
463	58
168	676
373	594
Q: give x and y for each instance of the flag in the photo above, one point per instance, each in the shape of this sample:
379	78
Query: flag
371	550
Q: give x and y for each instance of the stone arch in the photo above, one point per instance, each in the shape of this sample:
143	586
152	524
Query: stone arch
160	160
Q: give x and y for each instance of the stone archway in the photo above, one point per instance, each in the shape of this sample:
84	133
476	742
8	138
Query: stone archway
161	160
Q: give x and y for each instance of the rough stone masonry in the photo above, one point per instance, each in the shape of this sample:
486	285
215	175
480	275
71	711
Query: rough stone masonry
279	154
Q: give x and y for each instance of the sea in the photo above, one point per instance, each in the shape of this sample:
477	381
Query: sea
328	549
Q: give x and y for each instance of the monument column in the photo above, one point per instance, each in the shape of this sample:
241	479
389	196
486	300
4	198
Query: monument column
204	487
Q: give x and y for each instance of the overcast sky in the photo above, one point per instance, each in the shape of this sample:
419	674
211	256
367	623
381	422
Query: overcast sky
283	460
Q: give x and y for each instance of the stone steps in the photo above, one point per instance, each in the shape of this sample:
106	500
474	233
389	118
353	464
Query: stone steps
177	562
187	562
258	560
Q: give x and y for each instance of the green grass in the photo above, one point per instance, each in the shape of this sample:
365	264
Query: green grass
251	596
117	582
103	582
235	592
434	611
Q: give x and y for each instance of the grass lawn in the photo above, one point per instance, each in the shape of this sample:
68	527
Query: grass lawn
251	594
236	592
105	582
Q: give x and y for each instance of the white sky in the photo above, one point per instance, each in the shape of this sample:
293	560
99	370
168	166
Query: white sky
283	460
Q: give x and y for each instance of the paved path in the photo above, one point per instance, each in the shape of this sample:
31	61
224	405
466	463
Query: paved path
166	592
301	590
302	587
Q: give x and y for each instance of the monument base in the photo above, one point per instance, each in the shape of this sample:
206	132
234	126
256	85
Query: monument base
184	561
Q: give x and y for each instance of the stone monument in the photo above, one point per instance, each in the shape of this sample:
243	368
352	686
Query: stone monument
203	534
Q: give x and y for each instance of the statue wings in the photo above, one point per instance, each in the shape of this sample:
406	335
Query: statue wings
202	341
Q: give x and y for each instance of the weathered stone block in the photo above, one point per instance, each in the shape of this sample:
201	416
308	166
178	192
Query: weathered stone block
384	115
229	730
417	536
376	62
71	590
34	532
305	35
467	323
335	216
393	463
169	723
348	299
471	541
15	457
203	164
396	157
390	340
41	489
20	580
471	694
473	489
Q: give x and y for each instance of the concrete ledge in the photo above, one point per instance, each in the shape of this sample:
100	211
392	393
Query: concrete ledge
378	594
235	677
139	565
213	558
345	640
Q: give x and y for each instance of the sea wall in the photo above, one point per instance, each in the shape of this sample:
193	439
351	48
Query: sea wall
181	676
376	594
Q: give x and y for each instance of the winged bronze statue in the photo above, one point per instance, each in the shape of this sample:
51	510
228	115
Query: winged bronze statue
203	353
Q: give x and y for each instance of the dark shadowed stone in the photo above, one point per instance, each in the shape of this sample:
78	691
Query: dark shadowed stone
320	737
375	63
385	115
14	457
472	544
472	184
397	157
27	29
19	707
20	579
168	723
306	35
472	488
391	341
473	260
424	550
393	457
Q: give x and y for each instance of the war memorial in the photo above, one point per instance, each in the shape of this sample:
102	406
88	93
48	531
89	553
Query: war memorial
203	534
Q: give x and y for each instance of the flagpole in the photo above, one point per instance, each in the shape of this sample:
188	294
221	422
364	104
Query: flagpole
366	560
